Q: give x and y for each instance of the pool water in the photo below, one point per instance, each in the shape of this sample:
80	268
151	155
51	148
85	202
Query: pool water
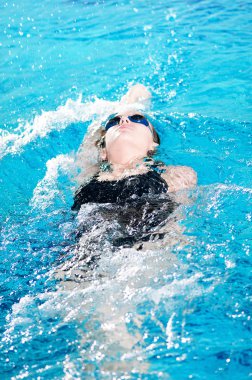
180	308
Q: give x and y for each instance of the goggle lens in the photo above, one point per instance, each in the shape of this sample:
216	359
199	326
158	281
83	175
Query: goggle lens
112	122
139	119
134	118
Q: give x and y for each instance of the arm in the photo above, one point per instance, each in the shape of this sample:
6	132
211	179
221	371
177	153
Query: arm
179	178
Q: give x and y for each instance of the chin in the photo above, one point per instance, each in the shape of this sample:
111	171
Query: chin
125	142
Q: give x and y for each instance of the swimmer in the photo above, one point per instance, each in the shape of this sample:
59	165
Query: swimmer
126	151
131	187
131	198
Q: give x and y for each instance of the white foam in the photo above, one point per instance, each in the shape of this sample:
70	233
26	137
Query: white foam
235	188
169	333
221	187
177	287
47	189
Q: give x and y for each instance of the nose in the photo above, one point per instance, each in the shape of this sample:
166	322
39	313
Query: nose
124	119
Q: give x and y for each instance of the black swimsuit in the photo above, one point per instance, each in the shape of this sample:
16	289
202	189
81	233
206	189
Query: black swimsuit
121	191
137	203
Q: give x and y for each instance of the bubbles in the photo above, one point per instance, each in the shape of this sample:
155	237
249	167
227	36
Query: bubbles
171	15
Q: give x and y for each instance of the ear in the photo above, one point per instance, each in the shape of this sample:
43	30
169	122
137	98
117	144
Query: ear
103	154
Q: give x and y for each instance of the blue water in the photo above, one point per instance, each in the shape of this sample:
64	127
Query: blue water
180	309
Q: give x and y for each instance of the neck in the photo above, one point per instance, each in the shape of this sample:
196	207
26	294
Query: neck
124	156
132	165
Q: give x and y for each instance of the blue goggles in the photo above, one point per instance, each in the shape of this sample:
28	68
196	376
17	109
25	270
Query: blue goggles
134	118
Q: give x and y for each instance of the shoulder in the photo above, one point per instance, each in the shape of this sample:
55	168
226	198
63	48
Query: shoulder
179	177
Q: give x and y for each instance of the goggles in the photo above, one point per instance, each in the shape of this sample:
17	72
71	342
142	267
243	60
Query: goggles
134	118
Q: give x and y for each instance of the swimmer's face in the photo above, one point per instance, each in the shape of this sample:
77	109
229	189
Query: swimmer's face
128	140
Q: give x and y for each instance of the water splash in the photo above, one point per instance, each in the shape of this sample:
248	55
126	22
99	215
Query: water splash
47	188
72	111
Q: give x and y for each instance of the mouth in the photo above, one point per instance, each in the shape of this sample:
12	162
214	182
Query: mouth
124	126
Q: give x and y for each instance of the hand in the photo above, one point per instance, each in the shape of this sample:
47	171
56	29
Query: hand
136	94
